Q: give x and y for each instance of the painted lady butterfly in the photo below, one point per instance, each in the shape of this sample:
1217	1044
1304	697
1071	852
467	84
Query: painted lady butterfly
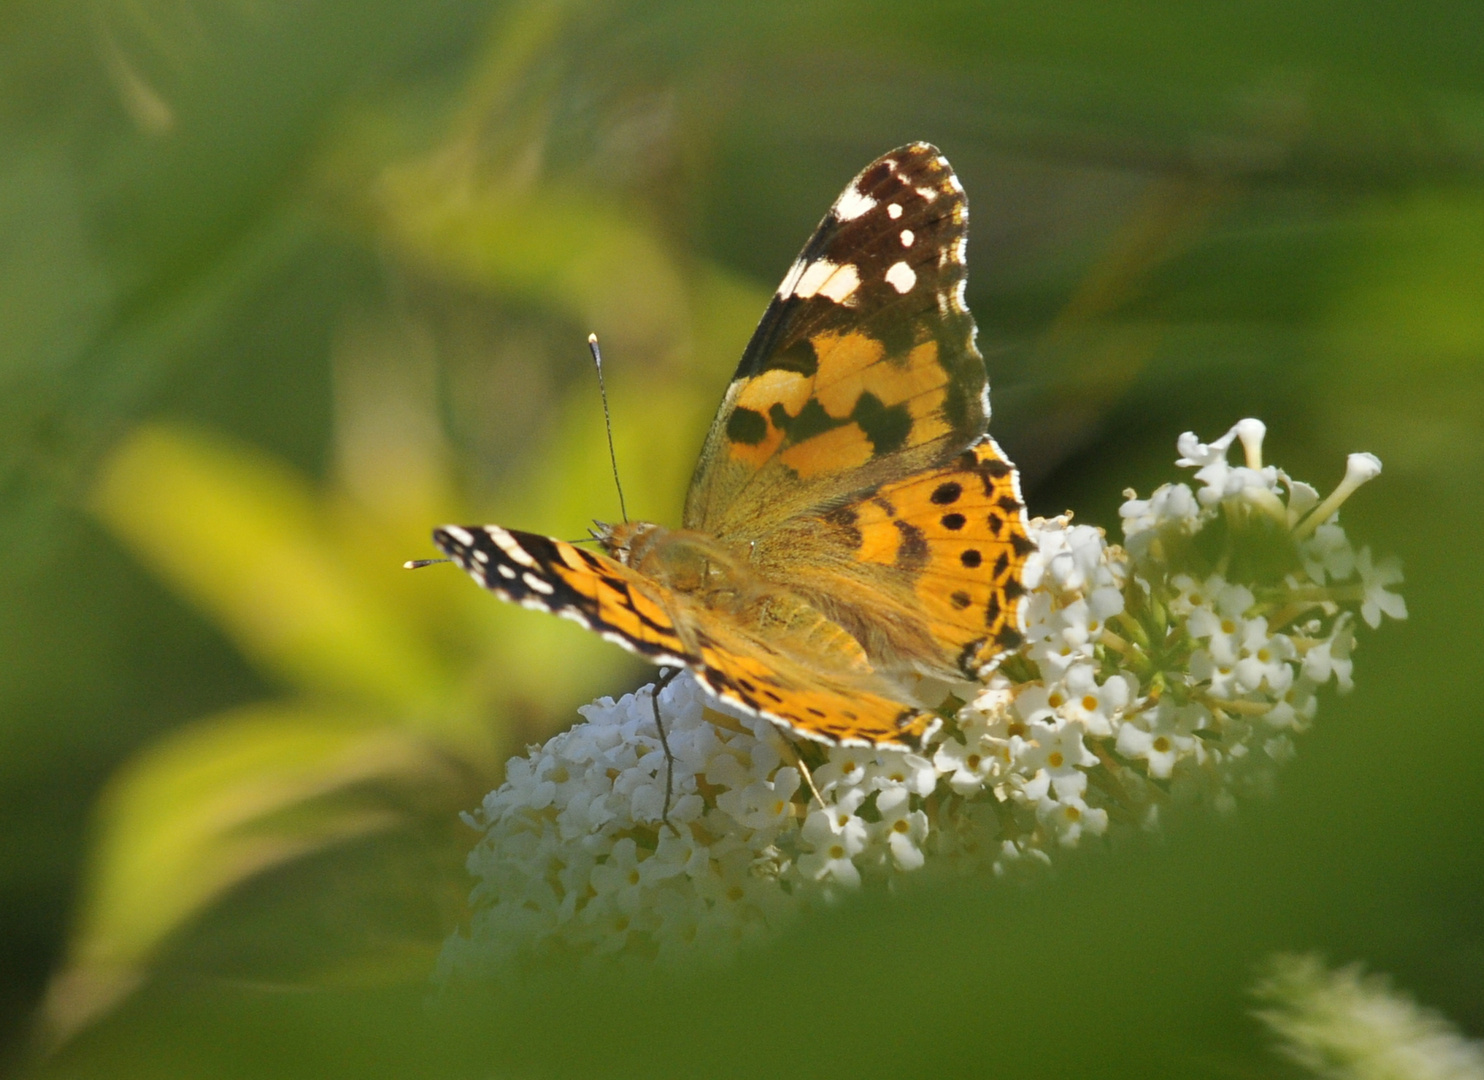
850	527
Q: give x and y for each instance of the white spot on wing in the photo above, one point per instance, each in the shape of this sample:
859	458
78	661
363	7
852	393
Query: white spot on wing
841	284
506	543
825	278
901	277
852	204
907	237
463	536
536	584
894	210
958	296
812	277
481	556
927	193
505	572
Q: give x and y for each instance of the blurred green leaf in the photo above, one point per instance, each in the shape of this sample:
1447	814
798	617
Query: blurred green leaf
245	540
214	804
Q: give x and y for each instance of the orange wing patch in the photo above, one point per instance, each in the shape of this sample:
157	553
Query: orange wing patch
960	532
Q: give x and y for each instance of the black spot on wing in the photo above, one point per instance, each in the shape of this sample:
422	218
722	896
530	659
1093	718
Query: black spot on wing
747	426
812	420
886	426
799	357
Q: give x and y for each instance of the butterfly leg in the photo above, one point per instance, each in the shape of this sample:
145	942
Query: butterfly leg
791	753
667	676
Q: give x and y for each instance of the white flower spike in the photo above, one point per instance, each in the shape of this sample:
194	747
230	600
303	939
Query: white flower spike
1150	674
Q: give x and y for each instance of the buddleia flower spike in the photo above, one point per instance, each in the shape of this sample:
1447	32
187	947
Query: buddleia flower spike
1178	667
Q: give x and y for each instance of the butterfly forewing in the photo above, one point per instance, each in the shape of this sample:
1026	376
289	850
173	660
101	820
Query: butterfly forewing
863	367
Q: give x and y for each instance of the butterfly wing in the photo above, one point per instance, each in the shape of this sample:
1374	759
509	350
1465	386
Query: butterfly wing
741	668
863	369
925	572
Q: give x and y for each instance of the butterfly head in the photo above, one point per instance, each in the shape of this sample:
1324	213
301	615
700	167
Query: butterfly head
628	541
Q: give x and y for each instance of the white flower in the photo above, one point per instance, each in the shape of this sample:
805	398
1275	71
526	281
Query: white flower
912	772
1262	661
763	804
1163	735
1374	578
1069	817
1328	555
1332	657
836	835
1055	756
1092	706
902	828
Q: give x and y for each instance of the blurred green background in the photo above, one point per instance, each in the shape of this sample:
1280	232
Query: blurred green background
282	284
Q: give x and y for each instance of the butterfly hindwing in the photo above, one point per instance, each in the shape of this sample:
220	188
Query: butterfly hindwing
863	368
925	571
967	521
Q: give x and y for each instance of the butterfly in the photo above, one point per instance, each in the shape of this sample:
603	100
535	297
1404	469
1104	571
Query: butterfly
851	529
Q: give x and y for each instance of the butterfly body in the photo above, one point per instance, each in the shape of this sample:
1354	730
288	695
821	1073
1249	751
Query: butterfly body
850	527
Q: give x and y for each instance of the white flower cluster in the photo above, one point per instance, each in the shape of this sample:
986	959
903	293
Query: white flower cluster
1179	667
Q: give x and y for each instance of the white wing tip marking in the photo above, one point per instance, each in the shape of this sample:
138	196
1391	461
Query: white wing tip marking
853	203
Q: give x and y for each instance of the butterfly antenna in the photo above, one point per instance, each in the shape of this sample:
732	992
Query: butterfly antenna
592	344
418	564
